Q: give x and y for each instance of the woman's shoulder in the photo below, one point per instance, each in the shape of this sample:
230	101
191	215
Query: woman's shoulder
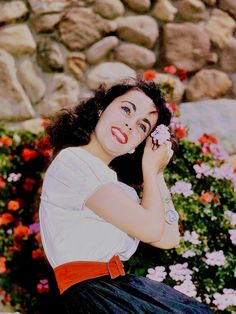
80	161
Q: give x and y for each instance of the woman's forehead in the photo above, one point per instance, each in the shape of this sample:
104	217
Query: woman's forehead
139	101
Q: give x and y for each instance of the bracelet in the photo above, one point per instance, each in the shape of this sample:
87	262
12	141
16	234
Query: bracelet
167	199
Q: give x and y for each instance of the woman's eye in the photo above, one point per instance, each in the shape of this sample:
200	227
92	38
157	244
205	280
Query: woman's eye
126	109
143	127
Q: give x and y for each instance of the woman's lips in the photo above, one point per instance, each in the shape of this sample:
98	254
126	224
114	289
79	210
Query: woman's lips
119	135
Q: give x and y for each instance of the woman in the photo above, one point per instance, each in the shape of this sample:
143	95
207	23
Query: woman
90	220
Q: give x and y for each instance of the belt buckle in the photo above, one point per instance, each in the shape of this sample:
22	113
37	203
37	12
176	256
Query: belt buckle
115	267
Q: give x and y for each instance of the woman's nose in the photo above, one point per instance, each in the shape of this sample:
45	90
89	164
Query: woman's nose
126	124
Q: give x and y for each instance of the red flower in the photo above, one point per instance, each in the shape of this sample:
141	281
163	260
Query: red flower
172	107
182	74
171	69
45	122
5	219
5	140
206	197
207	138
3	265
29	184
38	253
43	286
28	154
13	205
149	75
21	231
6	299
180	132
38	238
44	146
2	183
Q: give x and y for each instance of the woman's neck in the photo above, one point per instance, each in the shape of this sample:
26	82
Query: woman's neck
95	149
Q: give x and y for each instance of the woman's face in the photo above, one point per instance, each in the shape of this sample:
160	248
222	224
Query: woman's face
125	123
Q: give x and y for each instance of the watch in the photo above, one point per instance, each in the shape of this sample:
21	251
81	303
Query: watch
171	216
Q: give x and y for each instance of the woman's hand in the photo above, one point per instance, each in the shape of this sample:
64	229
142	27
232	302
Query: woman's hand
155	158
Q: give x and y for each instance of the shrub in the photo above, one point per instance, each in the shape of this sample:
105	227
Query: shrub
203	190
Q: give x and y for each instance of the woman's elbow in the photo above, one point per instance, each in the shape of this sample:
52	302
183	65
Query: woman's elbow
153	235
173	244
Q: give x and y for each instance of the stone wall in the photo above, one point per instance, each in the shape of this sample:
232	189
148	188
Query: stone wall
53	52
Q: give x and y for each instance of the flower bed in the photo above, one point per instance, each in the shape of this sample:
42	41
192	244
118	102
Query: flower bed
203	190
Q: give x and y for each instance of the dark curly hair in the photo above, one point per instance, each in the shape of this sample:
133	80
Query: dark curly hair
73	126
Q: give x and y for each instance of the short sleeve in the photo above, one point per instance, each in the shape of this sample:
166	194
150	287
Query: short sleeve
73	176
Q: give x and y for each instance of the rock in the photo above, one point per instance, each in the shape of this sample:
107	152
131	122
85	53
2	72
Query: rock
208	84
62	91
15	104
49	55
12	11
191	10
17	39
210	2
135	56
76	64
100	49
220	27
186	45
220	113
233	80
231	160
141	30
109	9
229	6
45	22
175	82
80	28
163	10
31	81
33	125
227	56
139	6
108	73
48	6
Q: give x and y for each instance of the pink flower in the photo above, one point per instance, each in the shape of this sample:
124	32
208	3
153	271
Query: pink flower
34	228
180	272
224	172
228	298
232	233
182	187
192	237
43	286
187	287
188	253
218	152
161	134
157	274
13	177
232	217
215	258
202	170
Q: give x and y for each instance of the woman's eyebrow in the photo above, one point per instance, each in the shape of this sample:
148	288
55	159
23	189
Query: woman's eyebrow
133	105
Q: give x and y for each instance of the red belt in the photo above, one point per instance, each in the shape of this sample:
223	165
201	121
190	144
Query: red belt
71	273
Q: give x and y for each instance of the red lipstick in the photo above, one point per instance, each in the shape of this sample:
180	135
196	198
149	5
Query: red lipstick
119	135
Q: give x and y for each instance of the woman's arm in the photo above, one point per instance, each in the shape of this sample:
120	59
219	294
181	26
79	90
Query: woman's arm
144	221
170	236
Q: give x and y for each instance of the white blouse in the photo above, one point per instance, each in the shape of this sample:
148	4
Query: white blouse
71	231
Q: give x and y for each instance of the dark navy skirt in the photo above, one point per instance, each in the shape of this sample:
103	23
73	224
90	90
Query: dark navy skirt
128	294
